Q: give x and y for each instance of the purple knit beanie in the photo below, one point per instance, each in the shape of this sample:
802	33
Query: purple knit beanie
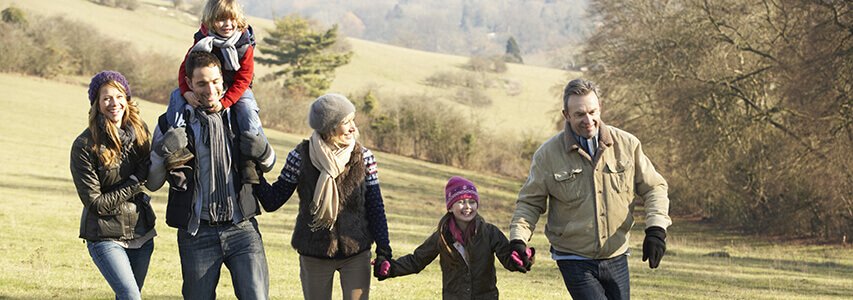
103	77
459	188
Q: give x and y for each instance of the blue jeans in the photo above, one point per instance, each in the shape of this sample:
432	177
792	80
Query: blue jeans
238	246
597	279
124	269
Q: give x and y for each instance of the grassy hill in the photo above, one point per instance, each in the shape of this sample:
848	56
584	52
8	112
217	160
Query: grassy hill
43	258
156	26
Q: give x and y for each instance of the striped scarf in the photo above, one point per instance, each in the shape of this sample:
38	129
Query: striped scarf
213	136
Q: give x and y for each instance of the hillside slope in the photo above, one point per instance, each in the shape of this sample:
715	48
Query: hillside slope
395	71
42	257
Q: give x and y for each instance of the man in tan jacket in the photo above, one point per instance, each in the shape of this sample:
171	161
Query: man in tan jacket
586	178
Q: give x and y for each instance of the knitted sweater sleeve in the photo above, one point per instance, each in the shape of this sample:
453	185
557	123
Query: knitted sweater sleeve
373	202
273	196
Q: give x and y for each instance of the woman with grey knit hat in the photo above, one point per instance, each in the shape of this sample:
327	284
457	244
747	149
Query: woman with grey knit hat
341	212
109	165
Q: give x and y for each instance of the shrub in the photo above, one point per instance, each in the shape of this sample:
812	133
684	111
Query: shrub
54	46
14	15
471	97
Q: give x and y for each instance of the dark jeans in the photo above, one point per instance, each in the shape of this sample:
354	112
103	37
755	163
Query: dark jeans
124	269
597	279
238	246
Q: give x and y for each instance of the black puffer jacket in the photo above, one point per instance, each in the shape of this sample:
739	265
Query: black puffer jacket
114	206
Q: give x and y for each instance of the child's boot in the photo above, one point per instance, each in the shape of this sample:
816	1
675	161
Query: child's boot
249	171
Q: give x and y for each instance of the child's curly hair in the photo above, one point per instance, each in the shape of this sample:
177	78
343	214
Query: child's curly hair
216	10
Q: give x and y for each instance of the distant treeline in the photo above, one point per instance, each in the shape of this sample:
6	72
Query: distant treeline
744	105
54	46
548	28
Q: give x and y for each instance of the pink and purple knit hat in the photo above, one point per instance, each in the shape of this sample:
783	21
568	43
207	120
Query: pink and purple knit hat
459	188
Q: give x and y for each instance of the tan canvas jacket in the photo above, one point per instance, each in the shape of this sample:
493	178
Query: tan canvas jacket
589	200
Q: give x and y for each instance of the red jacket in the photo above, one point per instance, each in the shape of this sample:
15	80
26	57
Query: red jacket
236	82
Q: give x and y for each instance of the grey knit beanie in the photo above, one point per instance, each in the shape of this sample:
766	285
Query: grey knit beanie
103	77
328	111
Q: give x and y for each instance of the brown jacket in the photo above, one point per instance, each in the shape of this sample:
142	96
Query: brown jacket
589	200
114	207
475	280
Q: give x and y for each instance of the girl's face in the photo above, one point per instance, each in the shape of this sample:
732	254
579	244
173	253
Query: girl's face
225	27
346	132
111	103
464	210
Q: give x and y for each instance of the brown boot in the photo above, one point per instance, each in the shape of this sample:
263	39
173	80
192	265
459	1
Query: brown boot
249	172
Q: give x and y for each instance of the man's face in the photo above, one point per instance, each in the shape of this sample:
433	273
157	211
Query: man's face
583	114
206	83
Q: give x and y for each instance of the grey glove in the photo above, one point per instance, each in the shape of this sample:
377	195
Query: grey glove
254	146
173	140
173	148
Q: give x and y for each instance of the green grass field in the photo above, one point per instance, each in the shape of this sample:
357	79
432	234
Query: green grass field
42	257
394	71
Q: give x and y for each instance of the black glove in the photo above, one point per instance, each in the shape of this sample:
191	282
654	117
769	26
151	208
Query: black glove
382	263
519	247
254	146
654	246
173	140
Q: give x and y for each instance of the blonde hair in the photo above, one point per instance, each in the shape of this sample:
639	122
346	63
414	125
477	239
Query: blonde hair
223	9
112	151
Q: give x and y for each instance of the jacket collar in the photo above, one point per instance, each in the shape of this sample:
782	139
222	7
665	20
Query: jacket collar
605	140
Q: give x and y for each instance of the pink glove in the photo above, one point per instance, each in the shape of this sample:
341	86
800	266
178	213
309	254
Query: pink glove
517	259
384	267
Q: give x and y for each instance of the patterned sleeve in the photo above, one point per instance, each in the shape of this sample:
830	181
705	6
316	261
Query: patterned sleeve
272	197
373	201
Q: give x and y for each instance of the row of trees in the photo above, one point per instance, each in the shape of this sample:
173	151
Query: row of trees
745	104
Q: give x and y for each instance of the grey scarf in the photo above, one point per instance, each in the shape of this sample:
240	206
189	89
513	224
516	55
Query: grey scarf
229	50
213	136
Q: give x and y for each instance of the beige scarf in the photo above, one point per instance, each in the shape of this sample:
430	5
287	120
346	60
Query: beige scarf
327	199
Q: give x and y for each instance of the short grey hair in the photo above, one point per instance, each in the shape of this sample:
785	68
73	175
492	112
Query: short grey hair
580	87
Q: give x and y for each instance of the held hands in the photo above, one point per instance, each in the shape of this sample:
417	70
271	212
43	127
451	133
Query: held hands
522	256
654	246
382	263
194	101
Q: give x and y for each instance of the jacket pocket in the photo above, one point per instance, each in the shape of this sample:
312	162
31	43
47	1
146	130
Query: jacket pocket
109	227
568	184
617	171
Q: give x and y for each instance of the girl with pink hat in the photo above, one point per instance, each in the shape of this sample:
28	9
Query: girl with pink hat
466	244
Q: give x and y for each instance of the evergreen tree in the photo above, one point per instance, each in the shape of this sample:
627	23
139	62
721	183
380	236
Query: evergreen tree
307	56
513	53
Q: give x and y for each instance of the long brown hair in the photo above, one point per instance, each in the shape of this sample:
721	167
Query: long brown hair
445	244
112	150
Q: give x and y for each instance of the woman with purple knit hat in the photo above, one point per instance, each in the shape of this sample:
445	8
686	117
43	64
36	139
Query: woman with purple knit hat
467	246
109	165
